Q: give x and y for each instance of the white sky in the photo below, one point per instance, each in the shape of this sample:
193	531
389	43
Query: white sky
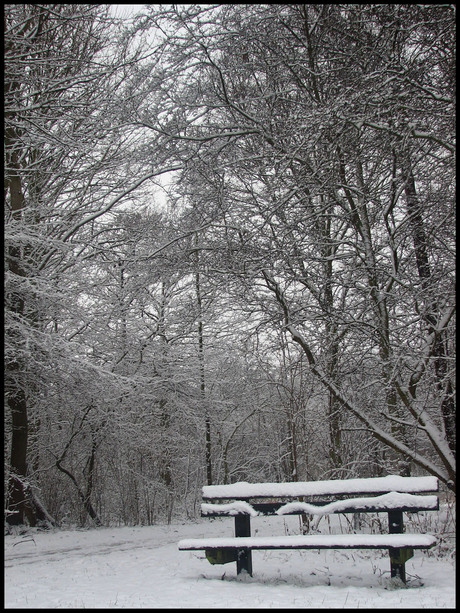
126	10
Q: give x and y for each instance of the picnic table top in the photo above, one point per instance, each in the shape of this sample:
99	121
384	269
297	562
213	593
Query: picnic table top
376	485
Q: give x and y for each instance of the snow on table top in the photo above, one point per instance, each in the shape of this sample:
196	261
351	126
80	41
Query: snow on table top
320	541
232	508
391	483
392	500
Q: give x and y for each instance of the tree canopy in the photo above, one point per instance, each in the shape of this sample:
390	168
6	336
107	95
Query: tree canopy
229	251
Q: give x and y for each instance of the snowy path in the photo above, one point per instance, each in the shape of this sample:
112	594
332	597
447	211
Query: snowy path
141	567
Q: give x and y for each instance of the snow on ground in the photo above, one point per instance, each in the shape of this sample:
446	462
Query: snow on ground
141	567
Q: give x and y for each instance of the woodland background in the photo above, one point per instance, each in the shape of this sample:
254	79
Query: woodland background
229	252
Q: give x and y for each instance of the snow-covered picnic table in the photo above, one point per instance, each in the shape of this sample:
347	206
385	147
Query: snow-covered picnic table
392	494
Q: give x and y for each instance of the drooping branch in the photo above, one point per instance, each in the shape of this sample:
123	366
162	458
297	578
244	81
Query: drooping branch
447	476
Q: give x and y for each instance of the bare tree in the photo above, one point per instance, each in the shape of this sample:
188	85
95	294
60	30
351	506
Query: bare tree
67	163
299	138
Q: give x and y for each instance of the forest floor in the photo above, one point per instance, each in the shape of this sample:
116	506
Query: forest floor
141	567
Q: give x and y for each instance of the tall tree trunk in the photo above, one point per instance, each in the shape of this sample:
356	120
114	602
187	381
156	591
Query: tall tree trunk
18	506
429	310
207	419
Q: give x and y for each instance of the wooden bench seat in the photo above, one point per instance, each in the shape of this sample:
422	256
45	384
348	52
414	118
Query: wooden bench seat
315	541
393	495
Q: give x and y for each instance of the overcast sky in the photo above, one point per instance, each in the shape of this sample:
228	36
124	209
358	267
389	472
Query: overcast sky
126	10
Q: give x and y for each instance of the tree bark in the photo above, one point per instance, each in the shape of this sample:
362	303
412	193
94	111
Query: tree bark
207	419
17	505
429	311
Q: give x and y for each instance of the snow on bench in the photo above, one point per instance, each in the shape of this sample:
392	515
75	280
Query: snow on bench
392	494
316	541
385	502
376	485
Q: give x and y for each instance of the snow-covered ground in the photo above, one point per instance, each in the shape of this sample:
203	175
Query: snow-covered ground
141	567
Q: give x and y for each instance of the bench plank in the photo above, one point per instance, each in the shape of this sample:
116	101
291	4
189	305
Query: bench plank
316	541
377	485
376	504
